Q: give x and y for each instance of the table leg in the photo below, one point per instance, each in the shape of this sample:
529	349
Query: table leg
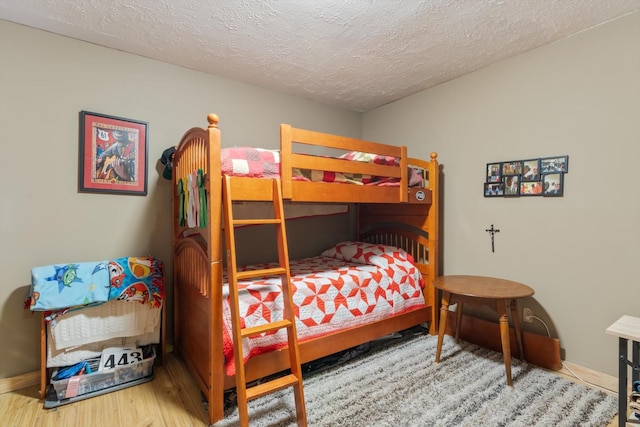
622	381
516	327
504	336
43	357
458	320
635	355
635	363
444	308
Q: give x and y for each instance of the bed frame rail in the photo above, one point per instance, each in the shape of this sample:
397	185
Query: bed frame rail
291	138
415	245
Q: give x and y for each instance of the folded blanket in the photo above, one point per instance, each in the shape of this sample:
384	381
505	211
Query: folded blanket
102	322
68	285
249	161
69	356
59	288
138	279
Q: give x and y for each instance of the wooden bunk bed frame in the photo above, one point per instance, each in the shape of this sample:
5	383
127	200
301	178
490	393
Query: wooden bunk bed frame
394	215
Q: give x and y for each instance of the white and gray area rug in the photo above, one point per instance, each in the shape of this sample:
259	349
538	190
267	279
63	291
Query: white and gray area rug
397	383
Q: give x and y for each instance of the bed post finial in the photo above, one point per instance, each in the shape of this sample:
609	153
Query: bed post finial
434	155
213	120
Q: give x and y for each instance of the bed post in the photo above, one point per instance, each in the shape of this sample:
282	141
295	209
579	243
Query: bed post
433	227
404	177
214	244
286	148
418	221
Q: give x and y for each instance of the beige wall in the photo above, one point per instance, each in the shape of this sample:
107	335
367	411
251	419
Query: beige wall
581	253
45	80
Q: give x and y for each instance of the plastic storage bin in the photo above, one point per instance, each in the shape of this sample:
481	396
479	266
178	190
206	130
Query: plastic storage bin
103	380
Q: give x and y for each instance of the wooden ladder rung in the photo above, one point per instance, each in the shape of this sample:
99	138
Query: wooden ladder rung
288	316
271	386
257	273
256	221
267	327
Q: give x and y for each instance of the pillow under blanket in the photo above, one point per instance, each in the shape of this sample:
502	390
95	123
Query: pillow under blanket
369	253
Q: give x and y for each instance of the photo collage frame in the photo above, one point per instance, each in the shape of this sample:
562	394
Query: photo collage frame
526	178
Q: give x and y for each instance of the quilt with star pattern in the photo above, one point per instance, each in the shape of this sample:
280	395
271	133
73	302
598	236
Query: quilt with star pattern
348	285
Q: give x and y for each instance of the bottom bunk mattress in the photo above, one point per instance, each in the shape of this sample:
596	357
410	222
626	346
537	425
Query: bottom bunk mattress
349	285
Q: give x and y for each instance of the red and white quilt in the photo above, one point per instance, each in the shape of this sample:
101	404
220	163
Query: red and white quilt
351	284
262	163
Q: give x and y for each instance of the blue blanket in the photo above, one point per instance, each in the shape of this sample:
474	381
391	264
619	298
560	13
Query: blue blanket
62	286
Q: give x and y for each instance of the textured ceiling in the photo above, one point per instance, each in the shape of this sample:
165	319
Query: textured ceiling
356	54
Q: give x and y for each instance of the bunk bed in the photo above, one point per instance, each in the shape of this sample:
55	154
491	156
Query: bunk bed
391	215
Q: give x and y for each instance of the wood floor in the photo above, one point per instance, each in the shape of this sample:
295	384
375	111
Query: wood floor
171	399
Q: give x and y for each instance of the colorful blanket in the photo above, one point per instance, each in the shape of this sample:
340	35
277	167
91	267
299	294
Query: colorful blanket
351	284
138	279
261	163
57	288
415	175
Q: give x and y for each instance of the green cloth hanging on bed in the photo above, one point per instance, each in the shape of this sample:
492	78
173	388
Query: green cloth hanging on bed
181	202
203	199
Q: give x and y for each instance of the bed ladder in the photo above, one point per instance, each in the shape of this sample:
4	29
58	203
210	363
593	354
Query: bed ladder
293	379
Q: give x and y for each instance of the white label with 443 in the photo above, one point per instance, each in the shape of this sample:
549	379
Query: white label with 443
116	357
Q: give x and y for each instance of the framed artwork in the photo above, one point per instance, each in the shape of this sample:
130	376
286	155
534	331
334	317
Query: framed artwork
531	170
512	168
493	189
554	164
552	184
531	188
511	185
113	155
494	172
